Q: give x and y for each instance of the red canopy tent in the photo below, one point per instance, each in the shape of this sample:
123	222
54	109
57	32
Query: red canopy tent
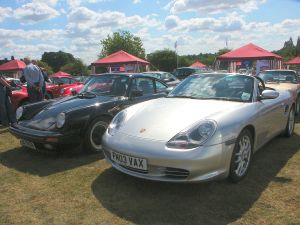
13	65
61	73
121	58
198	64
295	61
250	52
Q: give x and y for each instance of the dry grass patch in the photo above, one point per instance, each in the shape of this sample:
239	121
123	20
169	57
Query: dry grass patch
83	189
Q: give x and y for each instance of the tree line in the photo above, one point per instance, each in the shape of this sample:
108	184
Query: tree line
164	60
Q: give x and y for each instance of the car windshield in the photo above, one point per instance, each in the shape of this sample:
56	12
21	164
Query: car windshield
184	72
110	85
278	77
215	86
156	75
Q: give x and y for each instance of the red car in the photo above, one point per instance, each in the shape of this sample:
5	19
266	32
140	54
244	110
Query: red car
60	86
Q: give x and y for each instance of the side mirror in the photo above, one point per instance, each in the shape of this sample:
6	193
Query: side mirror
136	93
169	89
269	94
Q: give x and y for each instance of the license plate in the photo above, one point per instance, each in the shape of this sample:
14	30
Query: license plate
28	144
129	161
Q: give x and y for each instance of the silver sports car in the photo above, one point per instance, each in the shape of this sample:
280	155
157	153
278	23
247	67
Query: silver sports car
208	127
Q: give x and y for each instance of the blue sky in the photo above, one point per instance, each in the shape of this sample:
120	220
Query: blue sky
31	27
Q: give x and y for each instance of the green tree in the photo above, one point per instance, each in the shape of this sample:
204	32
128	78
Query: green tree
57	59
223	51
122	40
164	60
42	64
75	68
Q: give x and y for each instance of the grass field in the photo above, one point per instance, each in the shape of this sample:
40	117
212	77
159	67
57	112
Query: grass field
75	188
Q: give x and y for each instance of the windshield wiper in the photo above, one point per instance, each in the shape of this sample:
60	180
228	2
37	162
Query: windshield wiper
86	94
181	96
224	99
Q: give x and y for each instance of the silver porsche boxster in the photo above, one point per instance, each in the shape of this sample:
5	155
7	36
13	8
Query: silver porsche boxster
208	127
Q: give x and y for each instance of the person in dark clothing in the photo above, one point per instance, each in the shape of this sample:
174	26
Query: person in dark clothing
7	116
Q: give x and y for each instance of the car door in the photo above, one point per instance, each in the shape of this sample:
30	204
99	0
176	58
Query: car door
269	118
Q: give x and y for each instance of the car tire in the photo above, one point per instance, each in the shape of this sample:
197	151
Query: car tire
93	135
290	125
241	156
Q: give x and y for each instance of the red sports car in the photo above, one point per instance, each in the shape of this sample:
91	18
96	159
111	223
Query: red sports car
61	86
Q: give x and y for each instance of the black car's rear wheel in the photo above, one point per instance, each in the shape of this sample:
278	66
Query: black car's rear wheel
93	135
241	156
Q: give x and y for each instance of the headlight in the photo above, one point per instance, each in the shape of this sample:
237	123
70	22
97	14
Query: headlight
19	112
116	123
193	136
62	91
60	120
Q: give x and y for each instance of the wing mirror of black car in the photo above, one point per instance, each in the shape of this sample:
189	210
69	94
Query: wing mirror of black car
136	93
269	94
169	89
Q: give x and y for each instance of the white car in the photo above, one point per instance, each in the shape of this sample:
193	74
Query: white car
207	128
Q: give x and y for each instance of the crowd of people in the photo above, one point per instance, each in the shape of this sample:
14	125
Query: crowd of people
35	77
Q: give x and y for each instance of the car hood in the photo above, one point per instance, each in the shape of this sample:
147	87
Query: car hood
163	118
46	117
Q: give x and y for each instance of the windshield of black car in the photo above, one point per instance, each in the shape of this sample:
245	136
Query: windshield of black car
216	86
278	77
110	85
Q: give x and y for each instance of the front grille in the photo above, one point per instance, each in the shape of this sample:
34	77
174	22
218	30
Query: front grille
176	173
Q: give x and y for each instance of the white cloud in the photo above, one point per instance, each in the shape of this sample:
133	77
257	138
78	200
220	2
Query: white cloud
212	6
48	2
136	1
35	12
83	21
5	13
231	22
76	3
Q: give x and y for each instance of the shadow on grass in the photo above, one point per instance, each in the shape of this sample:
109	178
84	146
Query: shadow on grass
41	164
145	202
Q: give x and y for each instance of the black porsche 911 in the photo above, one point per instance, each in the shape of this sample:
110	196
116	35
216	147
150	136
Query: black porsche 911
83	119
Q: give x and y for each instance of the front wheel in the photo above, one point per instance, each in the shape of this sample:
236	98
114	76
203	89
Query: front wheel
290	125
93	135
298	105
241	156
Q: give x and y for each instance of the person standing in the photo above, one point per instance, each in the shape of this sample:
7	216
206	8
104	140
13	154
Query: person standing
35	80
7	116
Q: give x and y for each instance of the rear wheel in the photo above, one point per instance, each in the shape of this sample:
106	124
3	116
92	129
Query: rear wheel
241	156
290	125
93	135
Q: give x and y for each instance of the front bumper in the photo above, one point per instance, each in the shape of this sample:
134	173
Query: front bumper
200	164
49	140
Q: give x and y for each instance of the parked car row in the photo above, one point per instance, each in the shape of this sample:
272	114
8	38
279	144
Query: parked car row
207	127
